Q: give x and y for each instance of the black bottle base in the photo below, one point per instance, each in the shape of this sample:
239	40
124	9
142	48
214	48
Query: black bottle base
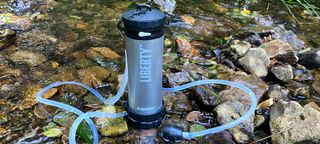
144	121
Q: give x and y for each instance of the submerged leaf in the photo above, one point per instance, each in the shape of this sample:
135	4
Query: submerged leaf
84	133
53	132
196	128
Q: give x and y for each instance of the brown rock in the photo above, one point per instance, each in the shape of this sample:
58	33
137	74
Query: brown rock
298	89
101	52
94	75
280	50
316	86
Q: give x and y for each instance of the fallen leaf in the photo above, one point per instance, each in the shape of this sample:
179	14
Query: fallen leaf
194	116
196	128
266	104
53	132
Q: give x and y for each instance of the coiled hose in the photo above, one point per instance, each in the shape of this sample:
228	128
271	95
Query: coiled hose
113	100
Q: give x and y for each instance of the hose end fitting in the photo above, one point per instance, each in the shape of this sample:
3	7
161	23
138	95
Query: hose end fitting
171	133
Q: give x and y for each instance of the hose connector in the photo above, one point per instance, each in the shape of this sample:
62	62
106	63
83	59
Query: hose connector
171	133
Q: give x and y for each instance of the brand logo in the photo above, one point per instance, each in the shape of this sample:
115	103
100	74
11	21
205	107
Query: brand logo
145	64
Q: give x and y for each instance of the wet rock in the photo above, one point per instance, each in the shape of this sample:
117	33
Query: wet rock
188	19
26	57
186	48
277	92
15	22
7	37
179	78
255	61
265	21
206	96
302	74
111	126
283	72
291	123
231	110
310	60
316	86
29	96
37	41
177	102
224	137
93	76
254	39
238	48
298	89
101	52
288	36
72	99
281	51
82	63
64	118
166	5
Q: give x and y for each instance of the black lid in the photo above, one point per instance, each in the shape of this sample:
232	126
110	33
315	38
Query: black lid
143	17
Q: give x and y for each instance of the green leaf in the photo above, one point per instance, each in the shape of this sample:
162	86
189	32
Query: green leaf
53	132
84	133
196	128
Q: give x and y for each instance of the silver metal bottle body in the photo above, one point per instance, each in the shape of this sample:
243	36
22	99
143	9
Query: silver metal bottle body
145	75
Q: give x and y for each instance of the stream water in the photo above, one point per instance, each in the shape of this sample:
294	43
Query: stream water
64	30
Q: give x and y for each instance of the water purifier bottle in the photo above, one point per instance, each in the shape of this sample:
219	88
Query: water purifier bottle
144	38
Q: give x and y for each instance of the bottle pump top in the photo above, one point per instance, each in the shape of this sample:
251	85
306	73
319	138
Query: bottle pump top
144	22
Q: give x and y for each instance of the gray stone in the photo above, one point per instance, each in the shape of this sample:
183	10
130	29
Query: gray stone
277	92
288	36
238	48
291	123
228	112
265	21
255	61
283	72
178	78
254	39
26	57
310	60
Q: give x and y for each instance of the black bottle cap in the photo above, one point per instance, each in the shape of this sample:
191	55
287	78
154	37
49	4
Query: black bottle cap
144	22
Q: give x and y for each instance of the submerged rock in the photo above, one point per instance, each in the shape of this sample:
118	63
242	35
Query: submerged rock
15	22
26	57
283	72
93	76
178	102
178	78
29	96
255	61
64	118
288	36
277	92
7	37
206	96
101	52
111	126
291	123
298	89
310	60
281	51
238	48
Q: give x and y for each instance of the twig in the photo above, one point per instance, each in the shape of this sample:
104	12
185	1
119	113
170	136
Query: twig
270	136
294	17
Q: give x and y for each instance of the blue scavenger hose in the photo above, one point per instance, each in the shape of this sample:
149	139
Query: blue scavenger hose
113	100
190	135
76	123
